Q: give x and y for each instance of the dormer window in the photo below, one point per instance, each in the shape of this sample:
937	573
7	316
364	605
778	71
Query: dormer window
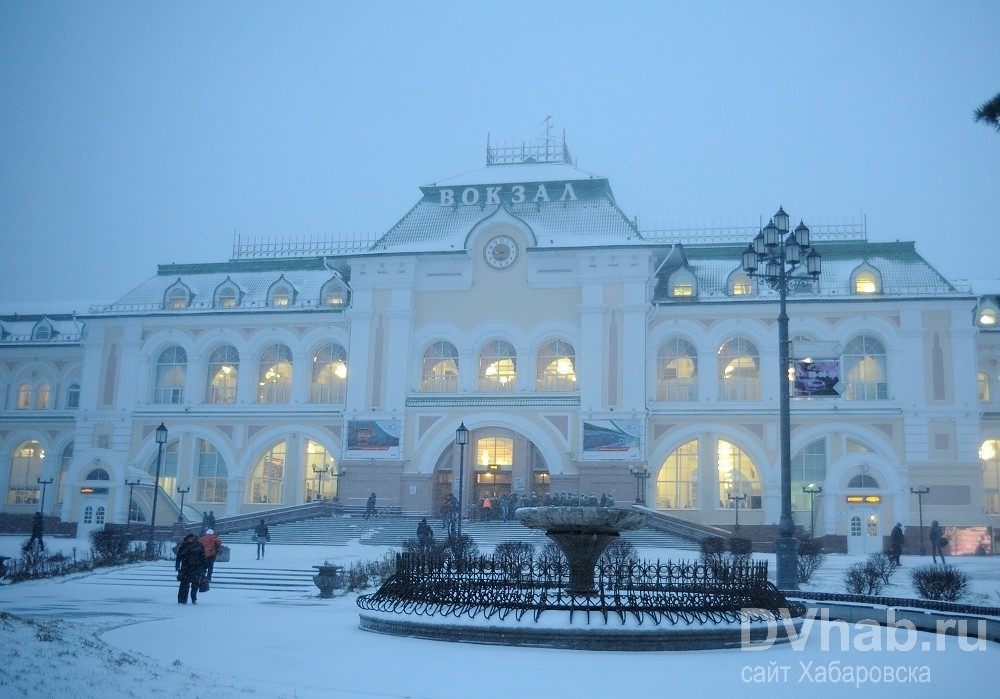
281	294
987	317
227	297
740	284
178	297
866	280
43	331
682	285
335	293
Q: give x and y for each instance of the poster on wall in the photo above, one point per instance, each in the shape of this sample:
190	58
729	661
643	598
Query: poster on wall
611	439
816	378
373	439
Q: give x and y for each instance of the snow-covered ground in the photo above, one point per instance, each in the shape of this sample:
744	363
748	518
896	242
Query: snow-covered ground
90	636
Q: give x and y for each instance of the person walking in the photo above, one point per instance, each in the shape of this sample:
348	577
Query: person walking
37	527
261	535
190	567
938	542
211	542
425	536
896	543
370	506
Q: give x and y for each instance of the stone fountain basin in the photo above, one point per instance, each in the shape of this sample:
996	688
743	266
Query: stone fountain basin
604	520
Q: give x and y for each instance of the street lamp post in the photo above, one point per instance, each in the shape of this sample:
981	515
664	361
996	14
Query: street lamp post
920	493
641	473
43	482
737	499
161	439
813	490
461	439
320	471
183	492
131	489
782	255
338	475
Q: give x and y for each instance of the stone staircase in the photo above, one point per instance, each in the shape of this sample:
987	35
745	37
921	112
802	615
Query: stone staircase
226	576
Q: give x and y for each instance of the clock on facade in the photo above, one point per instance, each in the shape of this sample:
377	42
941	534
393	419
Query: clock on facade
500	251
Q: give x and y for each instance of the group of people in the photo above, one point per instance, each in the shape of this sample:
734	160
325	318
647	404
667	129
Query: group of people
937	539
195	563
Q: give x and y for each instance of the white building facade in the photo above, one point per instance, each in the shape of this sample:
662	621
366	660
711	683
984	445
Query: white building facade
580	352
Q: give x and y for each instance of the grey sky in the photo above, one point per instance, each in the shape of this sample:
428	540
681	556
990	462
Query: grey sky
133	134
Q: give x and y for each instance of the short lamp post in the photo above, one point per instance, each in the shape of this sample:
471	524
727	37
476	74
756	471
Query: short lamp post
319	472
813	490
183	492
641	473
920	493
161	439
784	261
461	439
43	482
737	500
131	491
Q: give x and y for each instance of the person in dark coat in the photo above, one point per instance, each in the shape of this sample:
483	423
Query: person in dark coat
190	567
896	543
425	536
936	539
261	535
370	507
37	527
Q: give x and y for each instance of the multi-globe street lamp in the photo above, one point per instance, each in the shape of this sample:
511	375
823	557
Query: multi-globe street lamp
813	490
641	473
784	261
161	439
461	439
737	499
920	493
319	472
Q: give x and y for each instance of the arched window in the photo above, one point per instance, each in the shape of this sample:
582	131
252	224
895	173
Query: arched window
99	515
439	370
862	480
223	375
682	285
88	514
227	296
42	331
212	481
329	375
171	372
741	284
281	294
989	453
677	480
677	371
335	293
739	373
168	468
24	396
275	375
737	475
556	367
866	282
864	368
808	468
983	386
97	474
497	367
267	480
42	396
25	469
178	298
987	317
73	396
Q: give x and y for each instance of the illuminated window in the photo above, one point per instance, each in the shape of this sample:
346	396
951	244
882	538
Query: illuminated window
212	481
42	396
227	297
739	373
495	451
677	371
497	367
865	370
808	467
223	372
171	372
439	369
677	479
168	467
556	367
281	294
24	396
334	293
741	285
267	479
274	380
26	463
989	453
329	375
987	318
737	475
983	386
865	280
322	480
178	298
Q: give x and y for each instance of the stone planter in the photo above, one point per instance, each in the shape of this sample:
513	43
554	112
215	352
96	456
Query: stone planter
328	578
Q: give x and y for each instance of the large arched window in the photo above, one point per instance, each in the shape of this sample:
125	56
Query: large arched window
212	480
863	481
556	367
439	369
171	371
329	375
223	373
267	480
275	375
677	371
677	480
168	468
808	468
865	373
737	475
989	453
739	370
497	367
25	469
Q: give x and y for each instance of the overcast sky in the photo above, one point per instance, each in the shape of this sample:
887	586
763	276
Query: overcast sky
135	134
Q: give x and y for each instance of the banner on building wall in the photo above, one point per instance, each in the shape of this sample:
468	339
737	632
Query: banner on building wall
373	439
816	378
611	439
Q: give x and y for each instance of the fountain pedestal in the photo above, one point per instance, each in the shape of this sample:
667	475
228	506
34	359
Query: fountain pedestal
582	534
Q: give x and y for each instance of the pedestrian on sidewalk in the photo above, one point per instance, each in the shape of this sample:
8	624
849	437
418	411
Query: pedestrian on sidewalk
211	542
261	535
190	567
370	506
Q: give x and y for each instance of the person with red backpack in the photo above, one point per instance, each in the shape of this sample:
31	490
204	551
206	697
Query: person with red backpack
211	543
